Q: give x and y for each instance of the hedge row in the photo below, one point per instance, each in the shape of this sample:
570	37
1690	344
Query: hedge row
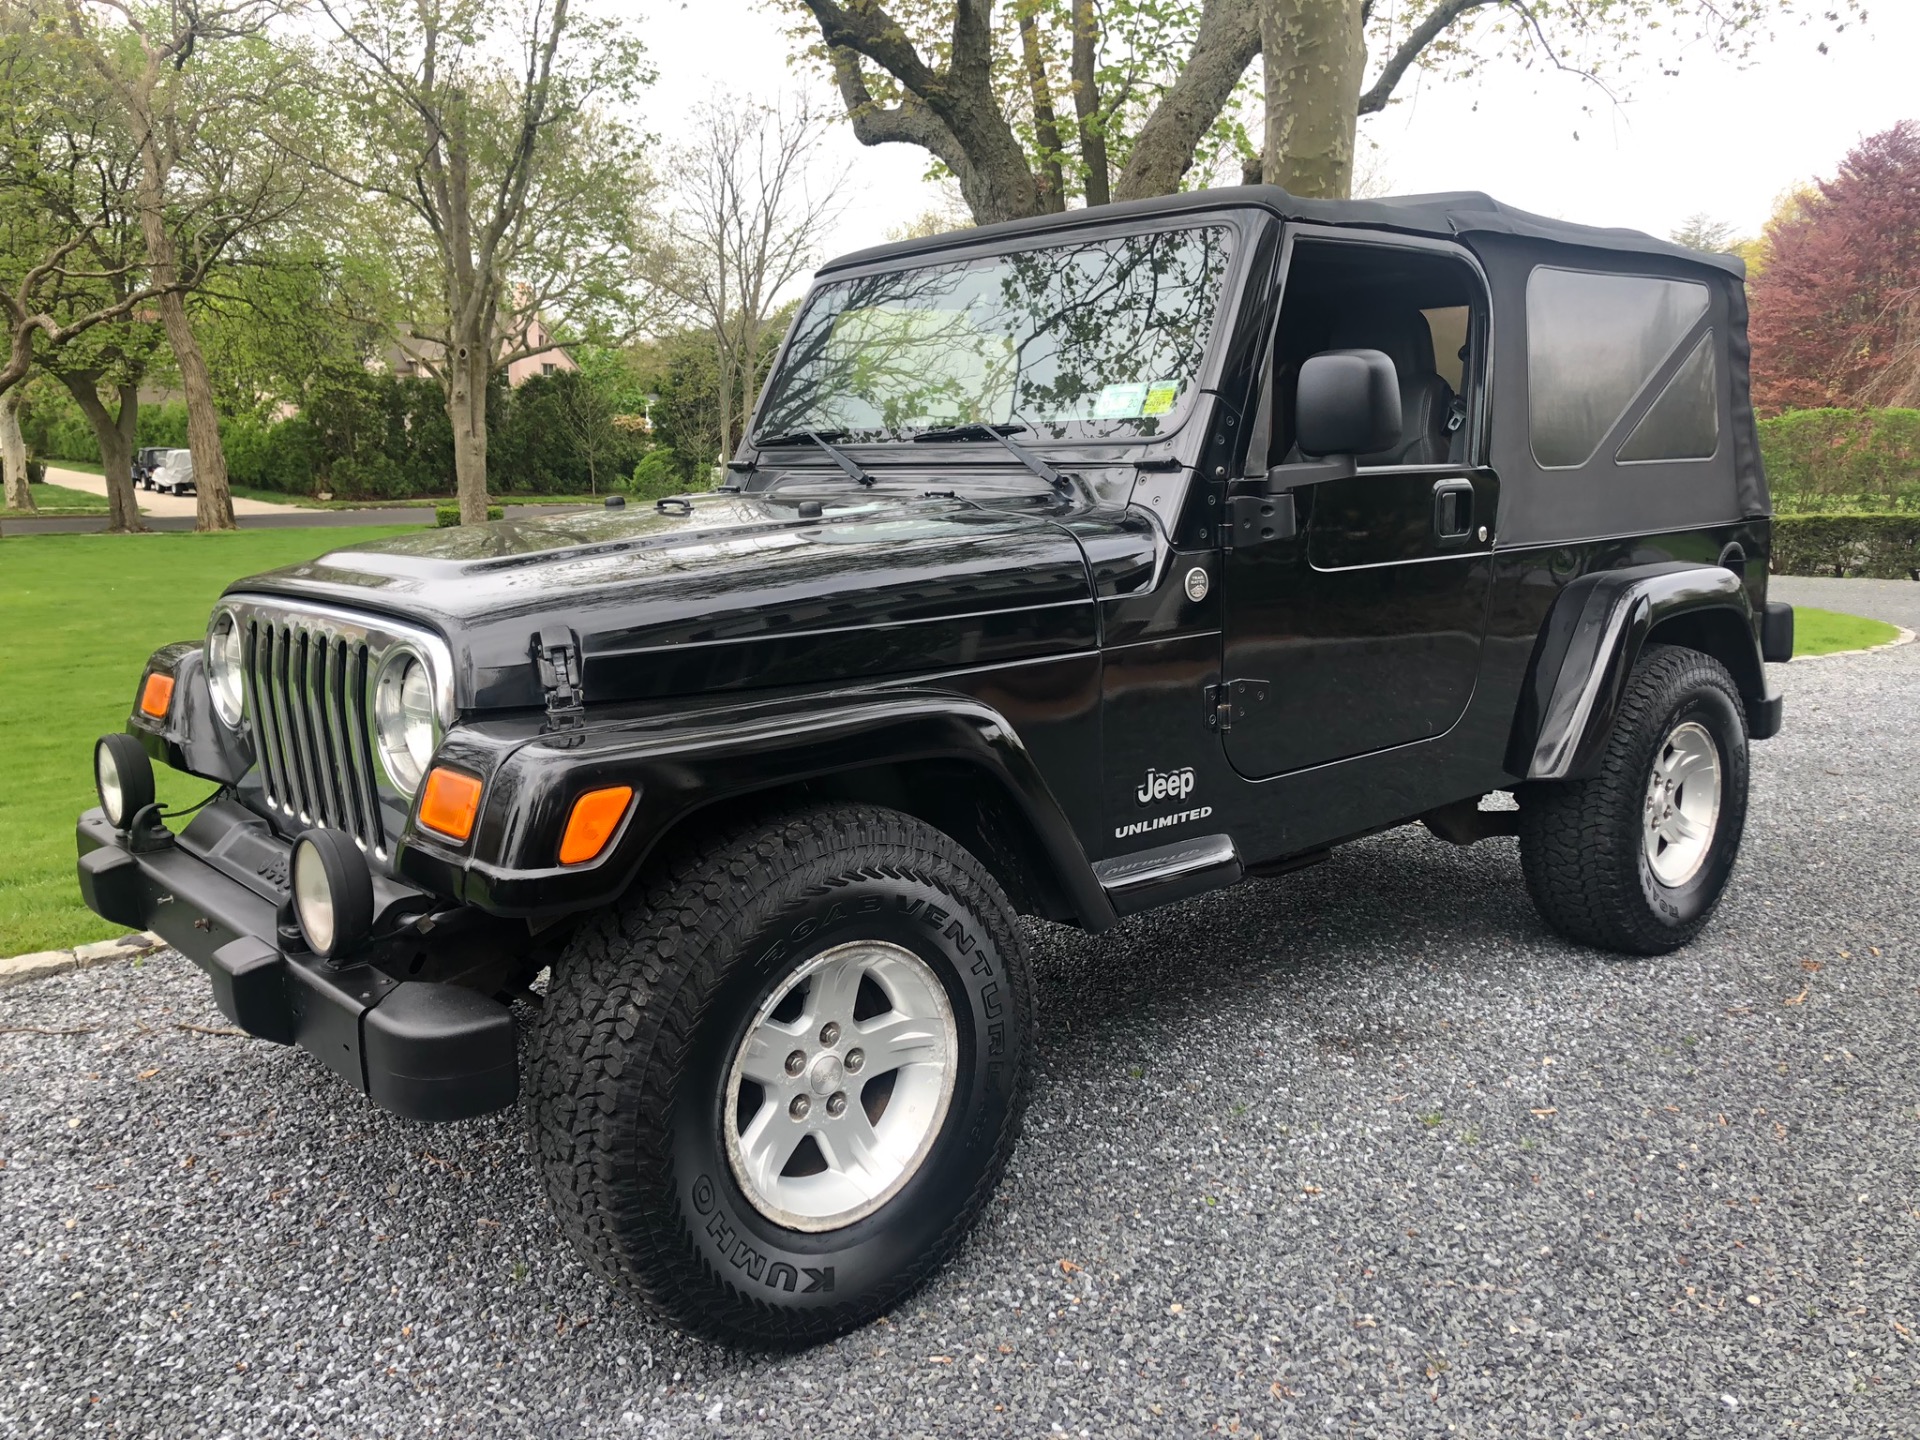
1878	547
1858	458
380	437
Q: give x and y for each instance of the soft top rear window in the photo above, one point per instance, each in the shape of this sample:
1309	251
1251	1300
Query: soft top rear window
1097	338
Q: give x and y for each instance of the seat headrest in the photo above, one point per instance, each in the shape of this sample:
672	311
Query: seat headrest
1401	332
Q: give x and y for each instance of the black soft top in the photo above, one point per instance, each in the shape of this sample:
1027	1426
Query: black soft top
1449	214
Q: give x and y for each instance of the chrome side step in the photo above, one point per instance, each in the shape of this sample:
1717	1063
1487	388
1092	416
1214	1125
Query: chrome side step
1169	872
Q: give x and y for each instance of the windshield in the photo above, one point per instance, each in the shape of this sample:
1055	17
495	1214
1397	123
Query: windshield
1100	338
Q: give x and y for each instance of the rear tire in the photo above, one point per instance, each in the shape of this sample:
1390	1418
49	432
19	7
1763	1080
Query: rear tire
662	1152
1636	857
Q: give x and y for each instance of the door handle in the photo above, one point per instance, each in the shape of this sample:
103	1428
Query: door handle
1453	509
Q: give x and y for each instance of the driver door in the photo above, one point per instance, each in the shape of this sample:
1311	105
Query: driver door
1361	630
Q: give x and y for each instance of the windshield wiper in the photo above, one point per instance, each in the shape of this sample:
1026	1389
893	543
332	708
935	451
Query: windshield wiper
834	453
1000	433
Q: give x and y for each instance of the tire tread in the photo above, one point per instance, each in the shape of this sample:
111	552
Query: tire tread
1579	839
626	1001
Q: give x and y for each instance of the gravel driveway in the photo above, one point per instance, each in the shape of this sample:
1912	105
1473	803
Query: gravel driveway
1360	1151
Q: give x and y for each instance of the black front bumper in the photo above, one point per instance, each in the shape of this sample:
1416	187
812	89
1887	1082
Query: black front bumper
423	1050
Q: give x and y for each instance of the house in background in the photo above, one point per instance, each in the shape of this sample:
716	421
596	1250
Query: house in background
404	360
541	362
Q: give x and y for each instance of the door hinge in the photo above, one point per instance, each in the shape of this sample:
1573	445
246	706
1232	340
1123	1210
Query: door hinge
1231	700
558	657
1258	519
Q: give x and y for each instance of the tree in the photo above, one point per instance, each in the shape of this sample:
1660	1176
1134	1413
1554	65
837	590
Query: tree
1156	84
55	130
203	175
1834	312
71	257
505	185
1701	231
745	224
283	314
113	357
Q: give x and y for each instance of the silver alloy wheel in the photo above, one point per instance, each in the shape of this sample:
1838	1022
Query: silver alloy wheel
1683	804
817	1075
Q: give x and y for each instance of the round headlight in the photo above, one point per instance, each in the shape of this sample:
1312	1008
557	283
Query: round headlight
223	667
332	892
403	720
124	777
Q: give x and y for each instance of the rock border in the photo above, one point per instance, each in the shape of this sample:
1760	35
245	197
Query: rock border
41	963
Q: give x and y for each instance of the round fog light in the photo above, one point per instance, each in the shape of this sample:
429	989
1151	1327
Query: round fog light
332	892
124	777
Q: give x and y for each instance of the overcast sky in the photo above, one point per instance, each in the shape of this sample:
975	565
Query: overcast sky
1716	138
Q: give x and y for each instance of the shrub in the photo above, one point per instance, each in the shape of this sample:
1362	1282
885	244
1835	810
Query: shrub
1861	458
658	475
1878	547
448	515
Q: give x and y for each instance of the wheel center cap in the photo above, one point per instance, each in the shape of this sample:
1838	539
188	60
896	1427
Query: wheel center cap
826	1075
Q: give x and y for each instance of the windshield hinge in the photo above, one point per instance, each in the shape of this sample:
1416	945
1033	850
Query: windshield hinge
557	655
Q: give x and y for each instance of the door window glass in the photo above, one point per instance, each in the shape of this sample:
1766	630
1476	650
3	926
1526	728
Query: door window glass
1593	343
1684	423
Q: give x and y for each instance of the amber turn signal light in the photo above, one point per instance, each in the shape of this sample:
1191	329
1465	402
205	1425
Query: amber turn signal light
156	695
596	815
449	802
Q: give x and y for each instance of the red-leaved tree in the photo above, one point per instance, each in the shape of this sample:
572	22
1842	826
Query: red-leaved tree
1835	309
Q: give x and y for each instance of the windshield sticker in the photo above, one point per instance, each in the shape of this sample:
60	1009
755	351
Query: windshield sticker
1160	397
1120	402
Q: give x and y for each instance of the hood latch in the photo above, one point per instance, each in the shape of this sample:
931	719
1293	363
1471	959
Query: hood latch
558	656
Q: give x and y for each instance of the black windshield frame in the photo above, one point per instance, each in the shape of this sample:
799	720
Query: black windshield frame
1238	228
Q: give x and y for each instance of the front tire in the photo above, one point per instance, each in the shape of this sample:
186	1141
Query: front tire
688	1156
1636	857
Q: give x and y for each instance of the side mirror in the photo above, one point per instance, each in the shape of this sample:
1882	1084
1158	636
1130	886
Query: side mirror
1348	403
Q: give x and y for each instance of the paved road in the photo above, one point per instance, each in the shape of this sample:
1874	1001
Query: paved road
1363	1151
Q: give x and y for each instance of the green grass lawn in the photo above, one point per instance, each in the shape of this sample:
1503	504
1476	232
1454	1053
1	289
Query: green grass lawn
1822	632
79	614
51	499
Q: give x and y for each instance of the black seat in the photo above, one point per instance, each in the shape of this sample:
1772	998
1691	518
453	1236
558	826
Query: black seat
1426	400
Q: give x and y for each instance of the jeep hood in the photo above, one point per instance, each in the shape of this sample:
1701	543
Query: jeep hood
732	592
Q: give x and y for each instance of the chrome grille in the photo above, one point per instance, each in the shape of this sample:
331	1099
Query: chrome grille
308	686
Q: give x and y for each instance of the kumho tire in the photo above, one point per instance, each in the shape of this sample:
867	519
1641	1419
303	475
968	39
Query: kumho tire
1599	854
640	1048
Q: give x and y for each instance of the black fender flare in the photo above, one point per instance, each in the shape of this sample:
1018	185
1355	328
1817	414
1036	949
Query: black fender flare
679	765
189	737
1588	646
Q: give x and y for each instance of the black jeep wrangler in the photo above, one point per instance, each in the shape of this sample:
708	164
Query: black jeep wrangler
1070	567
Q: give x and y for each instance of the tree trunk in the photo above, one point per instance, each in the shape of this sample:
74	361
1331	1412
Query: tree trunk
729	381
214	507
1228	39
1046	126
1086	101
115	438
1316	57
467	372
214	501
13	452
